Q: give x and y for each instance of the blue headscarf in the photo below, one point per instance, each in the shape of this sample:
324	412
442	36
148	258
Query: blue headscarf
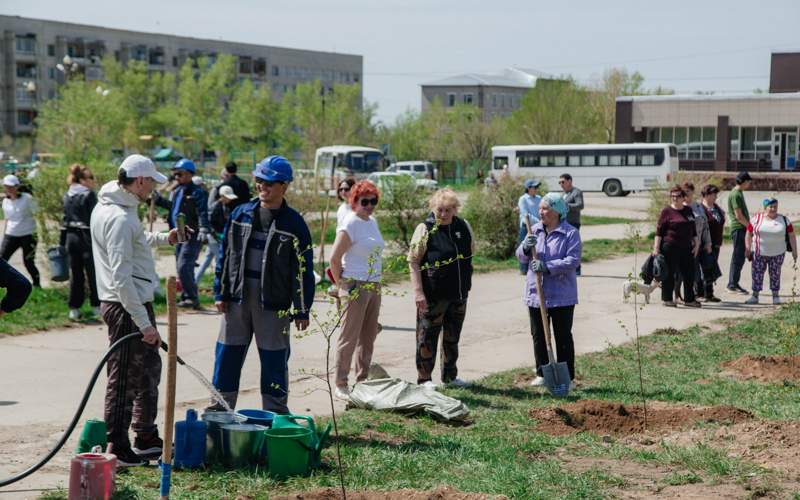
556	202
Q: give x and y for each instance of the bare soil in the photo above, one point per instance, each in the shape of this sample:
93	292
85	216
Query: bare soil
439	493
764	368
612	418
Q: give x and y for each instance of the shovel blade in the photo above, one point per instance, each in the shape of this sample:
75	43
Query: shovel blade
556	378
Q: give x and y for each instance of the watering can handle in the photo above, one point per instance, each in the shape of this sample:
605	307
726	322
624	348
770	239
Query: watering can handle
310	421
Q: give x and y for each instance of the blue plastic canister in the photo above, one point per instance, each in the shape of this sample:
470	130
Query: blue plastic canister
190	441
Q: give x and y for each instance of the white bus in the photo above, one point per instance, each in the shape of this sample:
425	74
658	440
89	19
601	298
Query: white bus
615	169
338	162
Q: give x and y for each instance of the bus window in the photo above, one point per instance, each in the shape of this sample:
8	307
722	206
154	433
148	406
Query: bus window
632	160
673	152
615	160
574	161
528	158
588	160
648	160
499	162
545	160
559	160
602	160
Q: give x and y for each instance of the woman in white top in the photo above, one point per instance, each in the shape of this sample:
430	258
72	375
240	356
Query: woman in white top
343	193
765	245
20	232
356	268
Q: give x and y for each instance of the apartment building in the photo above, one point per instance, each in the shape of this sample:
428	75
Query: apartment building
32	49
496	94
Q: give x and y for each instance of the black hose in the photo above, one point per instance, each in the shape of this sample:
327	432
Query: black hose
71	427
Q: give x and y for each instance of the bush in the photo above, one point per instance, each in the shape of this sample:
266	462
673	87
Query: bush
403	206
659	196
492	213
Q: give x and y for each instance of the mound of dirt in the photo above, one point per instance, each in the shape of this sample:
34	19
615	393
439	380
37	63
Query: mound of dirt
764	368
610	418
440	493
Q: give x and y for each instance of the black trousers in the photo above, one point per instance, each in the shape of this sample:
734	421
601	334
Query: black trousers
28	245
737	257
81	265
561	320
680	264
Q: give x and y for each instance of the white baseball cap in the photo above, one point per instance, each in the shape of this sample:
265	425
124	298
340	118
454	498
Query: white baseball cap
142	166
227	192
197	180
11	180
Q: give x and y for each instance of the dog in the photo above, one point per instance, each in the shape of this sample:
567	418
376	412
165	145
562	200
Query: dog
638	287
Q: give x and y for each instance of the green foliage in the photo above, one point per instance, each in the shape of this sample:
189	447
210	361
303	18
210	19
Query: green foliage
403	207
492	213
252	121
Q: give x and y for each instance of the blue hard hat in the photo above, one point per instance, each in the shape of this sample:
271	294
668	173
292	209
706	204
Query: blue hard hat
185	164
274	169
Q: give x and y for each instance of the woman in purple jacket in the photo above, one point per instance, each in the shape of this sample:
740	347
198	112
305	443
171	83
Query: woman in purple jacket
558	248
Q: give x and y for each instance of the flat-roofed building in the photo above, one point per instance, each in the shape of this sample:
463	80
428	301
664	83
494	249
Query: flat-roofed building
757	131
31	49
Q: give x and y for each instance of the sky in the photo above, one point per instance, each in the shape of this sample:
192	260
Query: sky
701	45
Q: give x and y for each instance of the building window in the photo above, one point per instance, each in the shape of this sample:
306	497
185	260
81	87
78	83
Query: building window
451	99
51	73
174	61
667	135
747	141
356	78
709	146
260	66
652	134
26	45
467	98
682	142
695	143
25	117
763	143
51	50
734	135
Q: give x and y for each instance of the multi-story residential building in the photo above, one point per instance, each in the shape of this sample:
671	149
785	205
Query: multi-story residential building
756	131
32	49
497	94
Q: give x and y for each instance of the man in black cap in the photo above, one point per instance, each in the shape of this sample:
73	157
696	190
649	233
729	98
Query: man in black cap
740	218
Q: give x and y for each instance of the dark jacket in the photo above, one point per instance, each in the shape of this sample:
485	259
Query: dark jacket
78	208
220	213
447	263
240	189
18	288
281	265
192	202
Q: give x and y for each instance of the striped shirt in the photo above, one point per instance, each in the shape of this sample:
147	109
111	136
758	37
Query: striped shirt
769	235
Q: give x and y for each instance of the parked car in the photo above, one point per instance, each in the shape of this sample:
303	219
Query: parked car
419	169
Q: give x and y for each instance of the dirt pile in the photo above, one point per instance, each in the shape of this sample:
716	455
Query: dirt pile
611	418
440	493
764	368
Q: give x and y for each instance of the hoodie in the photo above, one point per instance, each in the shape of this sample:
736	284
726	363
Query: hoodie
123	260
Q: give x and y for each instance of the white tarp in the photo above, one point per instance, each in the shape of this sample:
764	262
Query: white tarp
393	394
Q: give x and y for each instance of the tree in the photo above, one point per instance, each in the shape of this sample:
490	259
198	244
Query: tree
556	112
251	121
406	137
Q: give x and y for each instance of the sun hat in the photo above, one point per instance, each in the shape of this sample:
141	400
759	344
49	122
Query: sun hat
11	180
532	183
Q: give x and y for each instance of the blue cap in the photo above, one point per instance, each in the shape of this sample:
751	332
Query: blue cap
185	164
531	183
274	169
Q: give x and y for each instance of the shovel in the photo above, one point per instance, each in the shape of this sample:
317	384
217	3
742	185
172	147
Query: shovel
556	375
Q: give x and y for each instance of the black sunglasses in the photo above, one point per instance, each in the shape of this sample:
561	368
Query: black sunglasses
268	183
344	189
368	201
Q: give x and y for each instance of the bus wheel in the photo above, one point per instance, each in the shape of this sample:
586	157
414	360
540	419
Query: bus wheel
612	187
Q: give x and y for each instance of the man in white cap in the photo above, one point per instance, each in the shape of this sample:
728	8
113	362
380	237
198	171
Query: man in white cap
126	282
219	213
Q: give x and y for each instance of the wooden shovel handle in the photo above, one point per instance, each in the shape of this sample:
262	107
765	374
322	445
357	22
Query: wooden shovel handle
542	307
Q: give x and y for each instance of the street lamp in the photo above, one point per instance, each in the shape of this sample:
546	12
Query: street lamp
67	66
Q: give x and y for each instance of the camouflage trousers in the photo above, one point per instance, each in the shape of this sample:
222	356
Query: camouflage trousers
442	315
134	372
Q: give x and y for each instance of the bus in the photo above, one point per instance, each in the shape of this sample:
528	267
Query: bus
338	162
615	169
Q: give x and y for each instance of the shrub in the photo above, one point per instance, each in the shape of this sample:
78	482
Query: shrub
403	206
492	213
659	196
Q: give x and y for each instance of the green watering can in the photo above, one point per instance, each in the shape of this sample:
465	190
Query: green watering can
318	439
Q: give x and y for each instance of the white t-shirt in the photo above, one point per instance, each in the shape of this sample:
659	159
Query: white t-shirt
769	235
341	214
362	261
19	215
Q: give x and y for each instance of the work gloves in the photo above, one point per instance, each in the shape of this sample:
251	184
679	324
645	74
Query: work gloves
538	266
528	244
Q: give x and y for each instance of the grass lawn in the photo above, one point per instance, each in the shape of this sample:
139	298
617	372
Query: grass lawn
502	452
597	220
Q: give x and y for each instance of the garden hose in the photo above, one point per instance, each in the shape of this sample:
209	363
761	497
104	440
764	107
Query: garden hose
71	427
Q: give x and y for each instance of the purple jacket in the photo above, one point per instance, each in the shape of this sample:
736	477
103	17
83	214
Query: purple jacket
561	252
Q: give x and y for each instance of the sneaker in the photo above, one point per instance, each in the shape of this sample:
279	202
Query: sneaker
457	382
537	382
215	406
429	385
752	300
342	393
74	314
713	298
737	289
694	304
127	458
776	300
148	445
189	304
669	303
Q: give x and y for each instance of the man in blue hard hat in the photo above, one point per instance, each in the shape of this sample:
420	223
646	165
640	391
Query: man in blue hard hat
264	281
190	200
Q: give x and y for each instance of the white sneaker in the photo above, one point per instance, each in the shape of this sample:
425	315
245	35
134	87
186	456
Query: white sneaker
457	382
342	393
74	314
752	300
537	382
429	385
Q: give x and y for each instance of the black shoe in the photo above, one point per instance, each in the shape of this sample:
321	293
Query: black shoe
189	304
214	407
713	298
148	445
127	458
738	289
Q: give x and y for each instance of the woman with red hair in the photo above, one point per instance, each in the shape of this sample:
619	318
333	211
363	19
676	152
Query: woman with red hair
356	267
